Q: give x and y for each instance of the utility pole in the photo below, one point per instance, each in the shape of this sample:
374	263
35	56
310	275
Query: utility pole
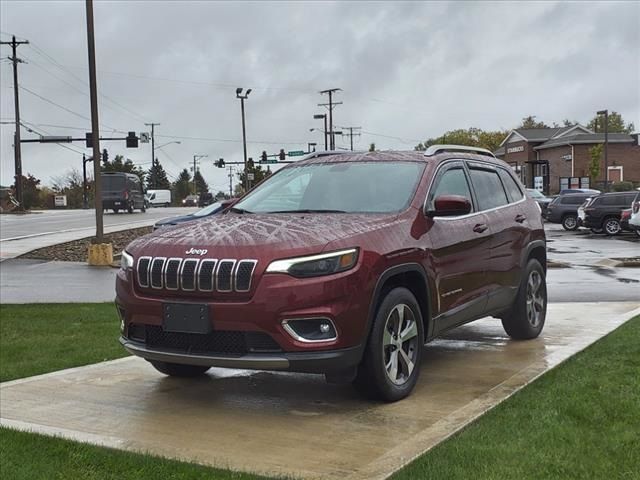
351	134
95	130
153	153
195	169
244	134
331	106
16	141
606	148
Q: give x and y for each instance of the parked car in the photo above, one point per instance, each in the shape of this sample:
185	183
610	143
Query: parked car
590	191
603	212
190	201
564	209
213	209
122	191
157	198
318	271
634	221
625	216
542	200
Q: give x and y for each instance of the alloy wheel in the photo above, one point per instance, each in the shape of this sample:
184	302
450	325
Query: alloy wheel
535	298
612	226
570	222
400	344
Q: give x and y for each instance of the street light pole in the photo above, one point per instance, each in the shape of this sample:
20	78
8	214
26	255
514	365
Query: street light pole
244	134
606	148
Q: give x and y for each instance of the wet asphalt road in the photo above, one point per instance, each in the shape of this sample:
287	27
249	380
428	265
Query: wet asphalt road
51	221
587	278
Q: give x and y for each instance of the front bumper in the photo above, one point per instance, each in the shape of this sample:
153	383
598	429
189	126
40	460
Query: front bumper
304	362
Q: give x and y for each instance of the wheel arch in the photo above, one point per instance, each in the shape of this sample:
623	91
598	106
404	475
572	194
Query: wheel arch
411	276
537	250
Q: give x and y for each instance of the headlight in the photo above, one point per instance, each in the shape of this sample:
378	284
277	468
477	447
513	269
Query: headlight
126	260
316	265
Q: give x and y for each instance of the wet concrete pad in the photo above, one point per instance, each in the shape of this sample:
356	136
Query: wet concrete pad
297	425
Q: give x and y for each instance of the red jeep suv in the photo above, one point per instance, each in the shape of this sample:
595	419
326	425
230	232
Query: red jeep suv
344	264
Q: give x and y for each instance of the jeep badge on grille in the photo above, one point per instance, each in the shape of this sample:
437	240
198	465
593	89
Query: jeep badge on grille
196	251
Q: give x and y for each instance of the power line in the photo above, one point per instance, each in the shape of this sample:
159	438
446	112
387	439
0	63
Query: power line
53	61
227	140
65	108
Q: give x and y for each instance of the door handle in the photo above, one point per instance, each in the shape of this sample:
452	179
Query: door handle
480	227
520	218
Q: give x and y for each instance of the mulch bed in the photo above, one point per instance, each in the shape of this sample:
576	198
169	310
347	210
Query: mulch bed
76	251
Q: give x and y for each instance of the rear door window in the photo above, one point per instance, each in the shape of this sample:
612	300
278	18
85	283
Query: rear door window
488	187
573	200
510	185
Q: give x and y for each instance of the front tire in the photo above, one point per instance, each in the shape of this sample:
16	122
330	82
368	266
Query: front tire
527	315
178	369
570	222
391	363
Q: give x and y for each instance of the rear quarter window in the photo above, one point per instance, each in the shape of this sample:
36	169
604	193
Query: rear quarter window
511	186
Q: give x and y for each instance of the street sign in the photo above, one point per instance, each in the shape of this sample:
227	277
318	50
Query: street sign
144	137
251	176
296	153
271	160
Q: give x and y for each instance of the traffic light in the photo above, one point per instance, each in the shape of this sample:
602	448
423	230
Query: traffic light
282	155
250	163
219	163
89	139
263	157
132	140
105	156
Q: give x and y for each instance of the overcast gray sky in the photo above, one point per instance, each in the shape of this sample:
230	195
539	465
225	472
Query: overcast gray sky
408	71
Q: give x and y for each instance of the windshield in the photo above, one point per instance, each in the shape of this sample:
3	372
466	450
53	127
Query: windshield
348	187
208	210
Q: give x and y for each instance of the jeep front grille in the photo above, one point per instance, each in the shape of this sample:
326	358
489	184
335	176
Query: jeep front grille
192	274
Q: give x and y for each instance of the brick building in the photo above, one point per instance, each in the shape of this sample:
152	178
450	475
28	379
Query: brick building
552	159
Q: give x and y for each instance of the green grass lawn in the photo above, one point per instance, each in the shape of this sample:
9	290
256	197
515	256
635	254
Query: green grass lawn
581	420
41	338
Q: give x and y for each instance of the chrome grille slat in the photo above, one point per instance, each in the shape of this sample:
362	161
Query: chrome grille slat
188	274
156	272
171	273
142	270
243	274
206	275
226	275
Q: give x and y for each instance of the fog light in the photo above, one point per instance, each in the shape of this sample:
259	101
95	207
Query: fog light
310	330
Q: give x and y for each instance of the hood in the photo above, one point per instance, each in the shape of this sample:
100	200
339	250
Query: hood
174	220
257	235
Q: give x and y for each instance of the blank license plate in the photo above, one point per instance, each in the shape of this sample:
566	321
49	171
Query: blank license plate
185	318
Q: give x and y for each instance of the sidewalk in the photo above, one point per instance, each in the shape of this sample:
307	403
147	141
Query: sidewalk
41	281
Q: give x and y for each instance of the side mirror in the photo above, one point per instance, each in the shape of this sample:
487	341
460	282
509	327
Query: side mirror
450	206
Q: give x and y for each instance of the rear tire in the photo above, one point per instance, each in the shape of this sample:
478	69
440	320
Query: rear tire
391	363
570	222
611	226
527	315
178	369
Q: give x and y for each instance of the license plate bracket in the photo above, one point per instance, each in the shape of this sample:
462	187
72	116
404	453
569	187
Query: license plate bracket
186	318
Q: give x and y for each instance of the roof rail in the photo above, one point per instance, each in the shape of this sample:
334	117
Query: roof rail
326	153
435	149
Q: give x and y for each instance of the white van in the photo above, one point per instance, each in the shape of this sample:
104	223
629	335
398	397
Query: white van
159	198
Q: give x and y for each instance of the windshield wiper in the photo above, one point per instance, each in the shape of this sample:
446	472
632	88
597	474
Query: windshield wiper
238	210
309	210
